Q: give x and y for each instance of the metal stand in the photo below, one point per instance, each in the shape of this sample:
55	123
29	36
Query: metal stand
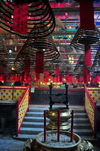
53	102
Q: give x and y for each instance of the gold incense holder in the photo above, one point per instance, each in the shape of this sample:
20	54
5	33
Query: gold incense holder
52	114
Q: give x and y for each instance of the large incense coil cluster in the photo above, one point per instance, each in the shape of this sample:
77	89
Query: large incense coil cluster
96	60
85	37
46	45
40	19
79	66
19	66
25	53
31	46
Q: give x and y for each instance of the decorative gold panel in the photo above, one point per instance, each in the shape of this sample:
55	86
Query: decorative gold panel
95	95
10	93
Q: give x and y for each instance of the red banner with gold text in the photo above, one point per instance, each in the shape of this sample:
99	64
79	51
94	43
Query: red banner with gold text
20	18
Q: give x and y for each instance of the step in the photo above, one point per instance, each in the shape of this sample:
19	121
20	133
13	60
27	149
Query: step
28	130
24	137
36	114
41	119
41	125
35	119
82	126
83	132
79	120
78	115
33	124
37	109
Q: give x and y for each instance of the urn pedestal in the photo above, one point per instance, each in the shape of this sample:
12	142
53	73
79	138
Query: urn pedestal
65	115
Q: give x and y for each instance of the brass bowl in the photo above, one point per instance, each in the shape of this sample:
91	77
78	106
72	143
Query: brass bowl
54	126
65	114
73	147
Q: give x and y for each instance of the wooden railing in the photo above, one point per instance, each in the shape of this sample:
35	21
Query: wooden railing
21	109
90	107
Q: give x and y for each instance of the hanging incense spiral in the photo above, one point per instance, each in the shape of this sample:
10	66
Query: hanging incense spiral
34	20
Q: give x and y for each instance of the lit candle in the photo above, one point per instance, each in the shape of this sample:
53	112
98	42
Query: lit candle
71	139
44	125
58	125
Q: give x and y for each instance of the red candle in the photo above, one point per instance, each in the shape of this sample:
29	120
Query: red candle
44	125
71	139
58	125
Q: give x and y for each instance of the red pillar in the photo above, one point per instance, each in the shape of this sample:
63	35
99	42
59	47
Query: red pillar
87	15
87	62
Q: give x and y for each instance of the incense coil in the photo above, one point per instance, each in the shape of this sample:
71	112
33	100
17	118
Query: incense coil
31	46
40	20
46	45
88	37
5	65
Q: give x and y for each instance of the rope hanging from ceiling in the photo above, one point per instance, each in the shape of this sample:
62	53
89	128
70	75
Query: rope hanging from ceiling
39	18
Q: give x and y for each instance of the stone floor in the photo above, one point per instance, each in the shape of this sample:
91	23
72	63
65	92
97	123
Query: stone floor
7	143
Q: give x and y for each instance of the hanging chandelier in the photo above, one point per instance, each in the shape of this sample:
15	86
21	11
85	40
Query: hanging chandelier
29	19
